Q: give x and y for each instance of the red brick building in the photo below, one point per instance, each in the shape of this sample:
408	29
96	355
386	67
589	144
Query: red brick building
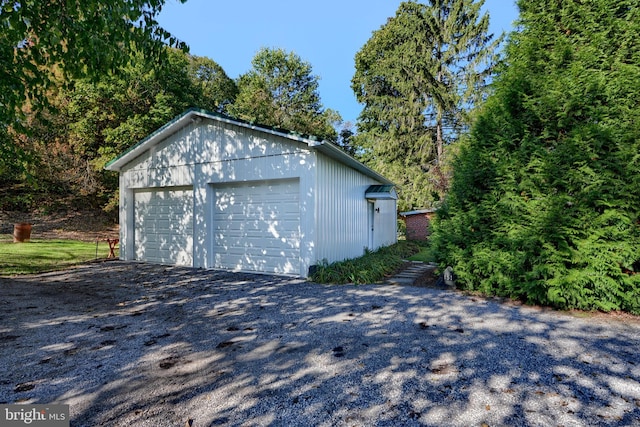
417	223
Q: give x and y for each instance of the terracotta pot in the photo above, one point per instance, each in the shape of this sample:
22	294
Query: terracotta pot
21	232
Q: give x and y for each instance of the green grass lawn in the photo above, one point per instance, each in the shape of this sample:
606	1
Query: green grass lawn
39	256
425	254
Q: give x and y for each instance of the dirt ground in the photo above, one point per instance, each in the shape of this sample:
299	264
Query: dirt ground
428	280
74	225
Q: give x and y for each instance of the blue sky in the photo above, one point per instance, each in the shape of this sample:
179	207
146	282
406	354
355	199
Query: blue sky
327	34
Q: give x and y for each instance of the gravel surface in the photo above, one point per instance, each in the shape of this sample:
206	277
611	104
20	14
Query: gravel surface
127	344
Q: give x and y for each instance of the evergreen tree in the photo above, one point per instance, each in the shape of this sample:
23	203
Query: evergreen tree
281	91
345	139
545	200
417	77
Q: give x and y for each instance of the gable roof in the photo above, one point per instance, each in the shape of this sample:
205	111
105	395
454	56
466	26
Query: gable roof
325	147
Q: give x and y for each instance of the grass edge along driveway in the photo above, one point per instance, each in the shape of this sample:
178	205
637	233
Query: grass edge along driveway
38	256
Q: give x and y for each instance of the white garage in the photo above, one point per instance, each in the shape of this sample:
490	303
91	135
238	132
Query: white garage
209	191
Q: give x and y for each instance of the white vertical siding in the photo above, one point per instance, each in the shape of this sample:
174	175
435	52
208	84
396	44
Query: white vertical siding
226	153
385	233
342	221
210	153
168	164
126	220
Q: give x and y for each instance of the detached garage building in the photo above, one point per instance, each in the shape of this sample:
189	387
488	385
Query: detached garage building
209	191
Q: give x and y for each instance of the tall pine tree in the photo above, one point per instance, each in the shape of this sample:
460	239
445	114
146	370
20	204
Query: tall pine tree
417	77
545	200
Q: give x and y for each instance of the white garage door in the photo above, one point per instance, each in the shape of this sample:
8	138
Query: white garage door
164	226
257	227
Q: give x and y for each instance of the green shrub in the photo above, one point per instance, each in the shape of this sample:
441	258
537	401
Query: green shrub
545	198
370	268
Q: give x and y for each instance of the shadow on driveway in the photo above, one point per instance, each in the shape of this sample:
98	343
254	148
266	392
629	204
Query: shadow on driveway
137	344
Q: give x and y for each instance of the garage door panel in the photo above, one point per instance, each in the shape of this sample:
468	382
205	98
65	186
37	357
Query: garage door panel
163	230
264	236
257	227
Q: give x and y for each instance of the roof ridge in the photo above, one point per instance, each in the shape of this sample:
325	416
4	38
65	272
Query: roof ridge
254	123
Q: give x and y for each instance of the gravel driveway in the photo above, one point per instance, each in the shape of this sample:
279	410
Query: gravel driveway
128	344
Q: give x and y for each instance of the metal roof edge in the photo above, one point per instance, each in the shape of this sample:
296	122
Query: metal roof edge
307	139
381	192
338	154
181	120
418	211
160	133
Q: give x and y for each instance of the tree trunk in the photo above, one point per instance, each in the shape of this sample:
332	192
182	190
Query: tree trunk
439	138
439	142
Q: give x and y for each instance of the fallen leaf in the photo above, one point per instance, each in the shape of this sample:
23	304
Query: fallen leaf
443	369
167	364
23	387
224	344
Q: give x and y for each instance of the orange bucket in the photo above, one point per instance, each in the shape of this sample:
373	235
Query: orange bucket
21	232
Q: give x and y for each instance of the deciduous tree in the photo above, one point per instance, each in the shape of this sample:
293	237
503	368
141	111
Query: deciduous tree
72	38
282	91
216	90
95	120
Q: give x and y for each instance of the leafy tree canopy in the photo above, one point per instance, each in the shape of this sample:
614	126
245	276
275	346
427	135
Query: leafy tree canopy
96	119
42	42
216	90
281	91
545	201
